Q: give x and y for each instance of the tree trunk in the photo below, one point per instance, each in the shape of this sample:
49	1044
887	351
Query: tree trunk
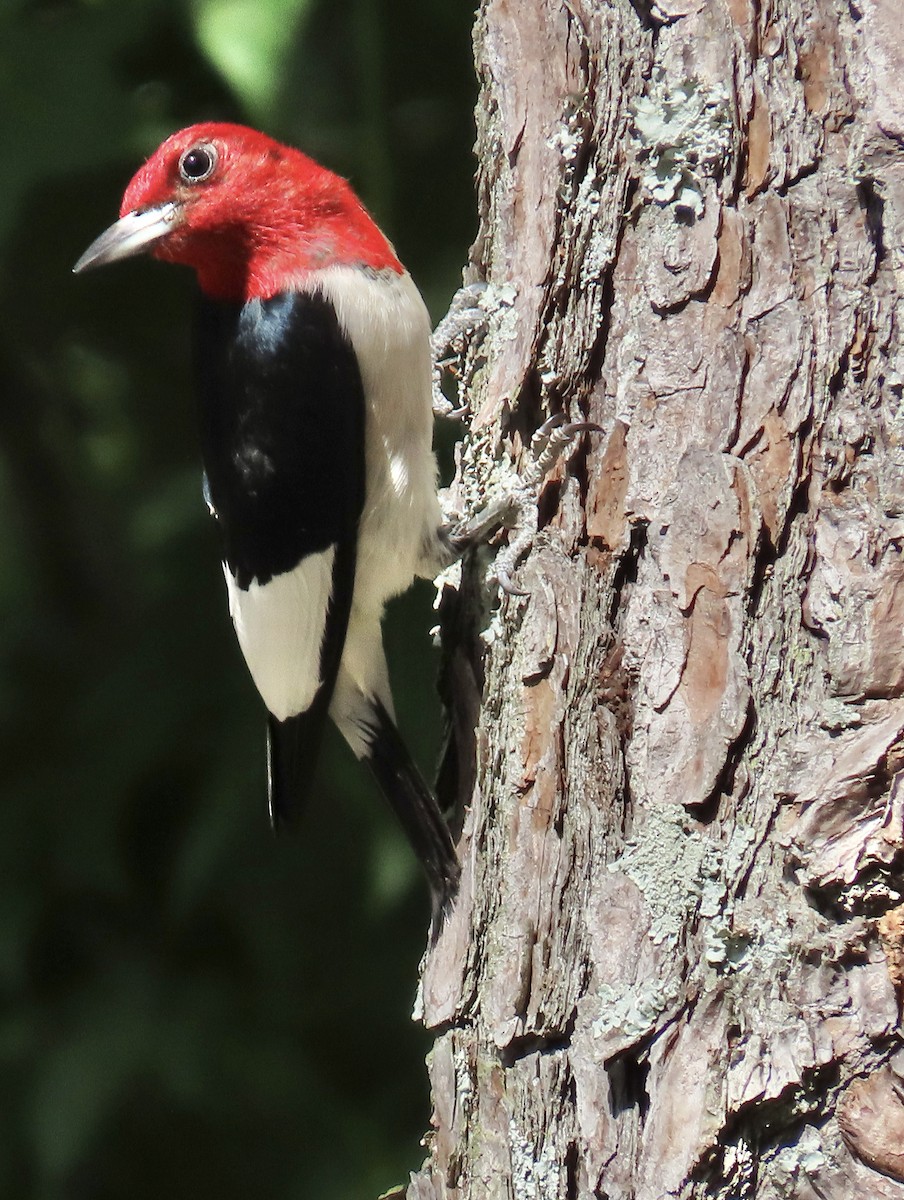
677	962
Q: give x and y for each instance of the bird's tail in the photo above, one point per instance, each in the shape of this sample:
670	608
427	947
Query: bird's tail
415	806
292	750
291	754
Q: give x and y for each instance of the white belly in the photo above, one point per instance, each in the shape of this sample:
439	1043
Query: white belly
389	327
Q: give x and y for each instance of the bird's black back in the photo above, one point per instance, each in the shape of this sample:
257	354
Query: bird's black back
282	429
282	417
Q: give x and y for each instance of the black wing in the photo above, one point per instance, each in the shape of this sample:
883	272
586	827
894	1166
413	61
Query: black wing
282	433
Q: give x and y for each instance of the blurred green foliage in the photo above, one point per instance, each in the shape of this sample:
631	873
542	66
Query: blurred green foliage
189	1007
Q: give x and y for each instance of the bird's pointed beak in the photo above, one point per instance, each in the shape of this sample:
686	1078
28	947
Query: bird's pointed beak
130	235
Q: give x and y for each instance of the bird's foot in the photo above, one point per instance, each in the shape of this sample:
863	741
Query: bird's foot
515	506
457	339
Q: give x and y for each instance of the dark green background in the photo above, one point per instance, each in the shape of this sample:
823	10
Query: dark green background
189	1007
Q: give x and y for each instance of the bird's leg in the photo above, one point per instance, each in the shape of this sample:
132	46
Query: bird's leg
516	507
456	346
459	332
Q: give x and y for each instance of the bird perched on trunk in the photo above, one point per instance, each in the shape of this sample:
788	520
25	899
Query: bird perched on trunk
314	385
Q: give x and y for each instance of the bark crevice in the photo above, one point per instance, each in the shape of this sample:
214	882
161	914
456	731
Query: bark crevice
675	968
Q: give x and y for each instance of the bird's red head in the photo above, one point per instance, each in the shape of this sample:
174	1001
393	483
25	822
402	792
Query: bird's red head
251	216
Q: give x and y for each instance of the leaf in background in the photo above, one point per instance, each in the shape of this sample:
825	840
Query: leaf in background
251	43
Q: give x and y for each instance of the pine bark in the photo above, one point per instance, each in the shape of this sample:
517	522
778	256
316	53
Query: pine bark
676	967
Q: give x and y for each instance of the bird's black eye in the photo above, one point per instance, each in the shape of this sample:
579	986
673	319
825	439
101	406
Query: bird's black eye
198	163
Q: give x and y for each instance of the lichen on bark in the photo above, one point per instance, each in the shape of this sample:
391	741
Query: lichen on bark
674	969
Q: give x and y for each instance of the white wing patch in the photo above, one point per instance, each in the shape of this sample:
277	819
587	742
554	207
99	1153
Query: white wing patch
280	628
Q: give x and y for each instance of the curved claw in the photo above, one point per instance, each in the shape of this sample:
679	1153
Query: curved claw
505	584
555	433
558	425
573	428
552	422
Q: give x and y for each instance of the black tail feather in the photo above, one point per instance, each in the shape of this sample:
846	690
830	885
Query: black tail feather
416	807
292	747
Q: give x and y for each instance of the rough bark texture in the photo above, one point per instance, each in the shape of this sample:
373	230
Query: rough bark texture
677	963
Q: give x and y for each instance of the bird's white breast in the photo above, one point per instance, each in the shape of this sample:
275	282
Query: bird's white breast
387	323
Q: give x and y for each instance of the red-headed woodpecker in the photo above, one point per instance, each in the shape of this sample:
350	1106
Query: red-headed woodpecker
314	380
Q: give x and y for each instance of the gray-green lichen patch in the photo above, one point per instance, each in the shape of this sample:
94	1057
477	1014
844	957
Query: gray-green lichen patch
666	859
794	1166
536	1173
634	1012
683	133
